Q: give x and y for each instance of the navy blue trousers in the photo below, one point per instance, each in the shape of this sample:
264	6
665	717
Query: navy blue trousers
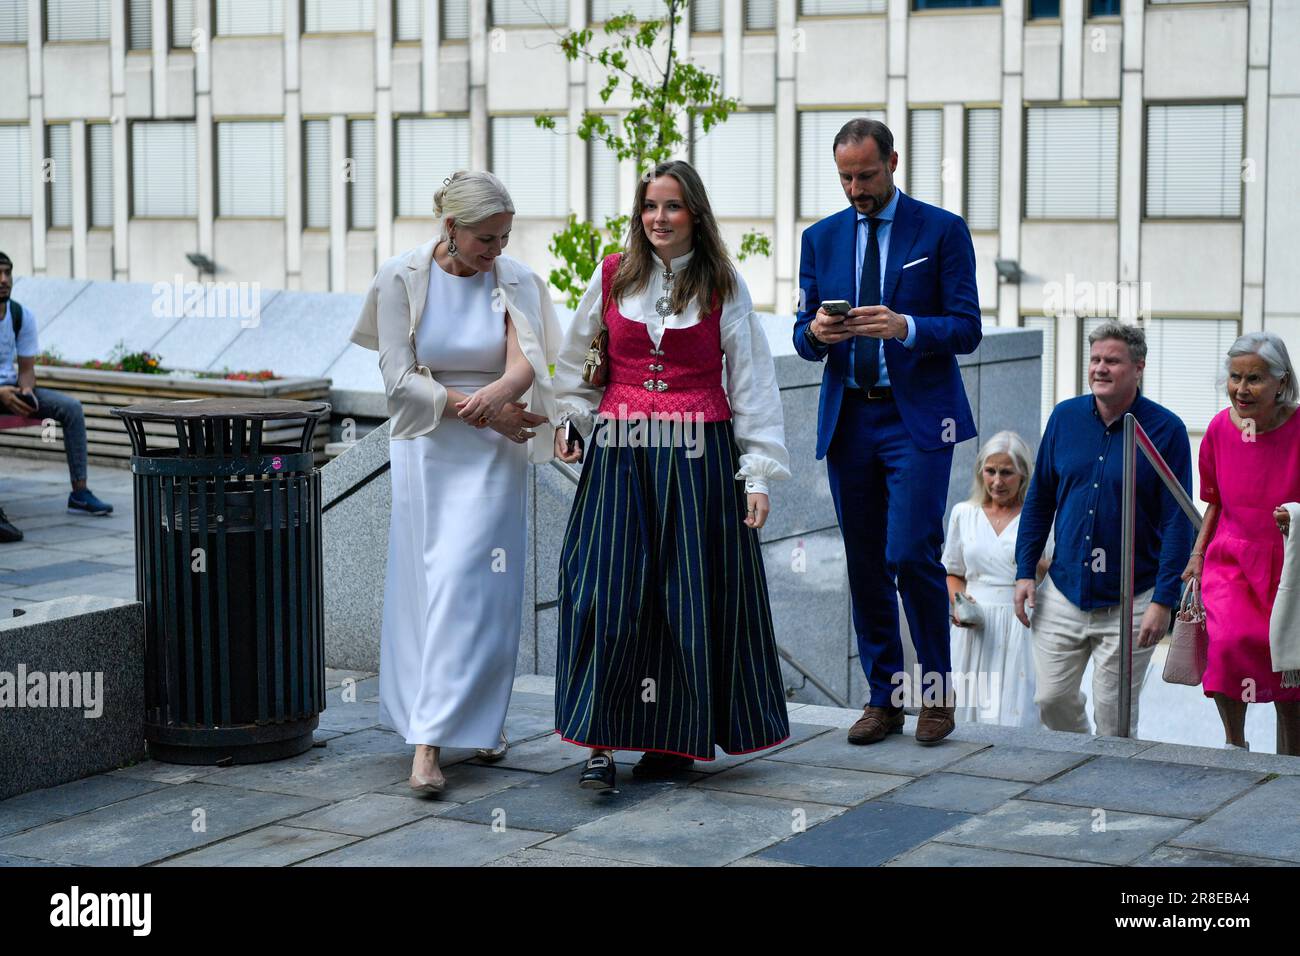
890	497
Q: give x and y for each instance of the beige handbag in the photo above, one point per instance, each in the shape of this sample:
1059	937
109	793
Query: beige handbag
1189	646
595	367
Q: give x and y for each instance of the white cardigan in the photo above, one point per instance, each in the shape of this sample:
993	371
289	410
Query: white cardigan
391	314
1284	624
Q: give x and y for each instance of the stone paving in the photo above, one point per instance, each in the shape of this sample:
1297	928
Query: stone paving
989	796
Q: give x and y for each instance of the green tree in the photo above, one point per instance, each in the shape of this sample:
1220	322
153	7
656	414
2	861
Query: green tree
649	131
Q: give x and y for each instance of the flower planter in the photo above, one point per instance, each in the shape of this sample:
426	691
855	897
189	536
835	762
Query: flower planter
99	390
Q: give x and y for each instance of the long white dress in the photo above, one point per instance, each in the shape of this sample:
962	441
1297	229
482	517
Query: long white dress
453	594
993	666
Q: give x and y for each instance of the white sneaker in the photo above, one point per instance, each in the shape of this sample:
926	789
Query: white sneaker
1235	747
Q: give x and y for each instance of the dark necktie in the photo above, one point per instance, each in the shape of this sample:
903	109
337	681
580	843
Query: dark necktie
866	350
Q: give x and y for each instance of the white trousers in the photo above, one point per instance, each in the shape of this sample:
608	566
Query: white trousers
1065	638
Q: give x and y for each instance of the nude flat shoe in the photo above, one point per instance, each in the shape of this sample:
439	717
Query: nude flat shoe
495	754
426	784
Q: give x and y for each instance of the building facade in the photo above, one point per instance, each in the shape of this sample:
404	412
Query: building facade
1130	159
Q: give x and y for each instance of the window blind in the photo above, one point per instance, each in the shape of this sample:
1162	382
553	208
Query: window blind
76	19
13	21
1184	363
361	191
182	24
408	19
737	162
508	13
706	16
1046	325
830	8
602	181
760	14
428	151
455	19
249	17
59	141
338	16
925	164
533	163
602	10
1071	162
250	168
317	178
139	25
820	190
983	167
16	160
1194	160
163	170
101	174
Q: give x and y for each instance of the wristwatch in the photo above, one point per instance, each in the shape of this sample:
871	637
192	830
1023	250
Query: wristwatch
815	342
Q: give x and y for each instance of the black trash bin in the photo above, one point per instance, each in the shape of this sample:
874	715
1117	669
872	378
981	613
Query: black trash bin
228	567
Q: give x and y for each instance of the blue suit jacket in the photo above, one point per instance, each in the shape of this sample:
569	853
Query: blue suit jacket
938	292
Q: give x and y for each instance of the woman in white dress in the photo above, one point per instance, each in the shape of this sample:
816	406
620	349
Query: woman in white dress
464	333
992	660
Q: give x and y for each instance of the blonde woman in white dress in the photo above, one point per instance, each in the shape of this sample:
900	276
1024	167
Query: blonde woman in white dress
992	661
465	336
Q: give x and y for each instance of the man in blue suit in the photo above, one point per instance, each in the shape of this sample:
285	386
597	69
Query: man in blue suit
892	409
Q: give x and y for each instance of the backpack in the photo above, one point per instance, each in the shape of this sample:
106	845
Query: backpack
16	313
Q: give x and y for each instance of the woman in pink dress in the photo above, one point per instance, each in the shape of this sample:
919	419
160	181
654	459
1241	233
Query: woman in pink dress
1250	466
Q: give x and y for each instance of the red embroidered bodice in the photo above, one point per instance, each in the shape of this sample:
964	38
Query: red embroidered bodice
683	376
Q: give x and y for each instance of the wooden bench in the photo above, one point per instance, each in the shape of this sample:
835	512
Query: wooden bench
18	421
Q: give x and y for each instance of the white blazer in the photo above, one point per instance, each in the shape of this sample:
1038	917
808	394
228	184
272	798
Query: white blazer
391	314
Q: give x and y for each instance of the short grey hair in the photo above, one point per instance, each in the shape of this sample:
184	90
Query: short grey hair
469	197
1003	443
1270	347
1130	335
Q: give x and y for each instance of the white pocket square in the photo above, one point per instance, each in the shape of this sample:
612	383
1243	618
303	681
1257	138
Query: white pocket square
916	262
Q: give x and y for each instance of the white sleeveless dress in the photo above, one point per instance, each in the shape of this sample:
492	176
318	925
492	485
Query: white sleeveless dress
453	593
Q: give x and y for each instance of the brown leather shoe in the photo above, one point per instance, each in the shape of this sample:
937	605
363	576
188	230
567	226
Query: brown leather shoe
934	724
875	724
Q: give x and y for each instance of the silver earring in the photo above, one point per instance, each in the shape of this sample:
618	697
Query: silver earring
451	245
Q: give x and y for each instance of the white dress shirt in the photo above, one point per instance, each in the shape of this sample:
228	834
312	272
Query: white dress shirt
883	230
749	376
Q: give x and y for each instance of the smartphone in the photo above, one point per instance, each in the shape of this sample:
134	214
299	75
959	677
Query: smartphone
29	400
836	307
572	438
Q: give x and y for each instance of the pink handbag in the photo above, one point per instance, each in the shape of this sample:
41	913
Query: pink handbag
1188	648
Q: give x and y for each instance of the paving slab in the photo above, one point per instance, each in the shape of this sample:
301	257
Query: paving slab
954	791
347	717
466	781
154	825
867	835
722	762
160	772
692	827
947	854
1146	786
433	841
368	814
1057	740
55	803
788	781
1262	824
1009	762
554	803
1184	856
269	846
543	755
1281	764
1069	833
897	754
14	861
540	856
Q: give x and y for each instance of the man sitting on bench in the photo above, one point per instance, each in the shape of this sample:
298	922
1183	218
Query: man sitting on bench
20	396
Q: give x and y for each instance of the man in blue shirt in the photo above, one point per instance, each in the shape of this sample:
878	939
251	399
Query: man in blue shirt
20	396
1078	482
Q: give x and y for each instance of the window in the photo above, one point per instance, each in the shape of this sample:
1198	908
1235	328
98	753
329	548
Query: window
182	24
1044	9
16	158
76	19
925	162
513	13
250	168
602	181
13	21
163	171
983	167
602	10
820	190
1193	157
830	8
760	14
706	16
408	21
361	186
1103	8
428	151
59	187
455	19
1046	325
1071	162
101	174
317	181
339	16
1184	362
139	25
737	162
952	4
534	164
249	17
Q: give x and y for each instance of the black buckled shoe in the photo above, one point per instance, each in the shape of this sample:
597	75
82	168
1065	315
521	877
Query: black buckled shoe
8	532
598	774
657	765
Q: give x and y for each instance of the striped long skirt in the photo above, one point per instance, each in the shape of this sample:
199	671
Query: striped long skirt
665	631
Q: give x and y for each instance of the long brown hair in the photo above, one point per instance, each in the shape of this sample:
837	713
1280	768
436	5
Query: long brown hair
710	272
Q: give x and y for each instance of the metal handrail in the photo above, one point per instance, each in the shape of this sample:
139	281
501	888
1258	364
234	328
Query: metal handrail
568	471
1135	440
